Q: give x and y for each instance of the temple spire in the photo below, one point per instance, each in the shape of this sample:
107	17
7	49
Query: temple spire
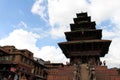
84	41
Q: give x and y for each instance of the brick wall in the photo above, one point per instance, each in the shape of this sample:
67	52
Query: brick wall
61	73
103	73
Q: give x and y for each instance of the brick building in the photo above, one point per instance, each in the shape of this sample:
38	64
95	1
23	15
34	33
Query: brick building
20	64
84	47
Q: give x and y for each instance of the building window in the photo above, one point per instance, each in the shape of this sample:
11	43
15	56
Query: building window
3	58
29	55
25	60
21	59
13	57
7	58
28	61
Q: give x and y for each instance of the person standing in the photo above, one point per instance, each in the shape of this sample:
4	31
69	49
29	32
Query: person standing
104	63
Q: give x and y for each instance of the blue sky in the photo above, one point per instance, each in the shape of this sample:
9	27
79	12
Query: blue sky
38	25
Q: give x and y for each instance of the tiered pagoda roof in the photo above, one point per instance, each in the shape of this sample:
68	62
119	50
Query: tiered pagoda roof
84	39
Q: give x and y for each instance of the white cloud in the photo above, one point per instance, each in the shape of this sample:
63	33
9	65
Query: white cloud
108	34
113	57
53	54
103	9
21	24
62	12
59	30
39	9
22	39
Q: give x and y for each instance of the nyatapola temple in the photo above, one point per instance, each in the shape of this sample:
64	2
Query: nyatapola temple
84	47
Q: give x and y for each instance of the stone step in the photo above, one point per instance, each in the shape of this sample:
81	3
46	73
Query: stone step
84	72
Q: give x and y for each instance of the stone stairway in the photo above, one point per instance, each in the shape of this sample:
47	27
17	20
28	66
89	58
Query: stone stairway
84	72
